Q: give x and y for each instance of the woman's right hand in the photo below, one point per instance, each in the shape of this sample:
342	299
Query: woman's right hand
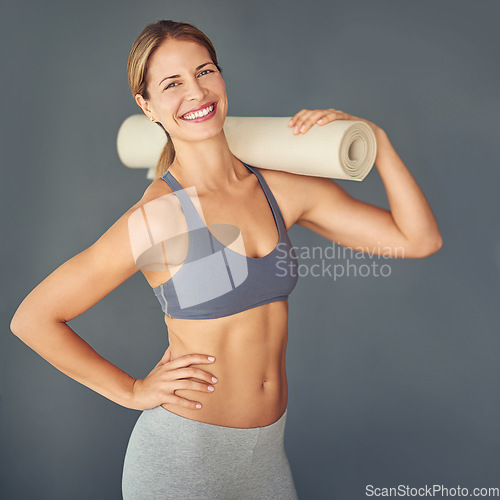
167	377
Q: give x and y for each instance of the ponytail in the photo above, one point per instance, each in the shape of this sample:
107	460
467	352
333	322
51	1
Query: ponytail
166	159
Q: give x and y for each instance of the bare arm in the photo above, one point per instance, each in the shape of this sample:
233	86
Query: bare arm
409	229
410	212
74	287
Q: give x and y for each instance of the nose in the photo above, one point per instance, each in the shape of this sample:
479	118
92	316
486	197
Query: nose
195	91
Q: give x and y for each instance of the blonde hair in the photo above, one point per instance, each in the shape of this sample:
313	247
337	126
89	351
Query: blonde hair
151	37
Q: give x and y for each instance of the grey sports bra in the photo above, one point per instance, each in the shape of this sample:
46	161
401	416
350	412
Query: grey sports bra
215	281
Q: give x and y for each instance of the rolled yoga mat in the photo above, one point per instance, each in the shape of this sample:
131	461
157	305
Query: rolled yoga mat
342	149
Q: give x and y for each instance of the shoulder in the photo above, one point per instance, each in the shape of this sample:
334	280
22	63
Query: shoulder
156	189
294	193
157	206
157	194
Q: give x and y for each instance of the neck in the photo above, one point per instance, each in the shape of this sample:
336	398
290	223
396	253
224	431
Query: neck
208	164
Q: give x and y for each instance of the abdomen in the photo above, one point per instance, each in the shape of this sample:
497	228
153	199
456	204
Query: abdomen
250	350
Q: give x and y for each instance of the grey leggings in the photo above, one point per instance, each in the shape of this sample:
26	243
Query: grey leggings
173	457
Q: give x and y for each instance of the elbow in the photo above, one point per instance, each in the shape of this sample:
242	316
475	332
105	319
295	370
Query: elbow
438	243
15	327
435	244
23	321
16	324
431	246
30	317
19	319
26	316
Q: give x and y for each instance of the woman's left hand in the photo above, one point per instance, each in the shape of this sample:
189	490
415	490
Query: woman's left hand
306	118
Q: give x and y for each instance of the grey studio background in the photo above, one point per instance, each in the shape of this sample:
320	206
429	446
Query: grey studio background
392	380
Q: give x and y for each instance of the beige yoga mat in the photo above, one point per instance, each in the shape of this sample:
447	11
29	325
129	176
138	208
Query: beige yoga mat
342	149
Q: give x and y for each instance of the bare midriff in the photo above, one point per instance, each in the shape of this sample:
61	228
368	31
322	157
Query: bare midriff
249	349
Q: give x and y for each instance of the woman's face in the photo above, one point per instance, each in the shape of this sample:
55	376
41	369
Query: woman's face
182	79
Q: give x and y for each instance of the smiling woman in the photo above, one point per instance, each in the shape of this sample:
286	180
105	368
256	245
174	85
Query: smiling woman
143	67
239	308
213	410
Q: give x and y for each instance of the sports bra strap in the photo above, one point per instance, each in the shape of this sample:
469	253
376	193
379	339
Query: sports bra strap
193	218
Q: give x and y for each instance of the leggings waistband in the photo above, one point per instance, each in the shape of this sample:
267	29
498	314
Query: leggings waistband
266	433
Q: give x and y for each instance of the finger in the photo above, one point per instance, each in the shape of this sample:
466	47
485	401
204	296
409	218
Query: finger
191	385
340	115
302	113
307	120
297	116
311	119
185	403
166	356
329	116
190	359
335	114
190	372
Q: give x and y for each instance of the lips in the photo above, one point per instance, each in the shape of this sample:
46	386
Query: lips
200	108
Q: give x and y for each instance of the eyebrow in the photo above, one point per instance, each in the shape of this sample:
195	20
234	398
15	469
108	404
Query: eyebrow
178	76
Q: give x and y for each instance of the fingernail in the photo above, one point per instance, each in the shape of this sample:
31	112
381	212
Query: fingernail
296	129
290	123
302	128
211	388
214	379
198	405
211	358
320	121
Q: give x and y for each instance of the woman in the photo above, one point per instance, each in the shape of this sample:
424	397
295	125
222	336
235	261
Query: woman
214	407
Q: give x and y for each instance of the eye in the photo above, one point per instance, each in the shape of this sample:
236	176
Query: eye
204	72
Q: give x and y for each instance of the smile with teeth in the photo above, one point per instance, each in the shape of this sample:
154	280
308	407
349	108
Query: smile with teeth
199	114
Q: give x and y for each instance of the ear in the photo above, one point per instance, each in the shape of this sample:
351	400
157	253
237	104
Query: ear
144	105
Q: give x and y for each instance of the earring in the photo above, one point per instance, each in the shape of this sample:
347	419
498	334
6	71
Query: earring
152	118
